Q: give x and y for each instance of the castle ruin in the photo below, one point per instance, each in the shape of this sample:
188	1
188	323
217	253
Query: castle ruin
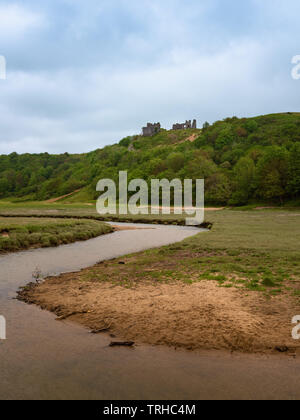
186	125
155	128
151	129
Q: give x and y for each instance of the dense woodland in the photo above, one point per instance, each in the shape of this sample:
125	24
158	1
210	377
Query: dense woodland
242	161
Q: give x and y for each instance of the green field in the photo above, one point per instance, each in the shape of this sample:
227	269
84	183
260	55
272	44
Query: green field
252	250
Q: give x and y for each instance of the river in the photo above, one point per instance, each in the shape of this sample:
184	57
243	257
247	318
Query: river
46	359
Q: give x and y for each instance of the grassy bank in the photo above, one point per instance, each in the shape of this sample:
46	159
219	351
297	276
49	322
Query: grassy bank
235	287
255	251
18	233
85	211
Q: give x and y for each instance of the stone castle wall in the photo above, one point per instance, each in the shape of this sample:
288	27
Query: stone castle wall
152	129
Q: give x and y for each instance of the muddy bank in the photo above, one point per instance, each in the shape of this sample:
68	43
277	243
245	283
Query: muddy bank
193	317
118	228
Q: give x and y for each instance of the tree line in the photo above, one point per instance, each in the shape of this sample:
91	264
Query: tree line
241	160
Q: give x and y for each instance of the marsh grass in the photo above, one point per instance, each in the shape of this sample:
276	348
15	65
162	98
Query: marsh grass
252	251
23	233
83	211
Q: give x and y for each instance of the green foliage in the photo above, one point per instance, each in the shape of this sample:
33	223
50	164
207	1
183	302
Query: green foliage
272	173
218	189
241	160
225	137
125	142
251	126
175	161
294	171
244	172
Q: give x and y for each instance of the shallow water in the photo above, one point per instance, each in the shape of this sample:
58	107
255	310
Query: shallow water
46	359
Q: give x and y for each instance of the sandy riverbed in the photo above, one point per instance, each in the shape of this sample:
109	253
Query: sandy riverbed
197	316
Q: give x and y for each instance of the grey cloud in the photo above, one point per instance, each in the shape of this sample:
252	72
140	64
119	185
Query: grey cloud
91	73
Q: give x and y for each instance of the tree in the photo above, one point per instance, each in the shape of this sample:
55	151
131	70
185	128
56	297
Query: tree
125	142
272	174
206	125
251	126
175	161
217	189
243	174
294	170
241	132
225	137
200	167
4	186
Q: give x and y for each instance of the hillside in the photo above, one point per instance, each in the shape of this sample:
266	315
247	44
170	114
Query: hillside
242	160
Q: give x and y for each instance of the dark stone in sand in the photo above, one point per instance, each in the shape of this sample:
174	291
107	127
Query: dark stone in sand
102	330
123	343
282	349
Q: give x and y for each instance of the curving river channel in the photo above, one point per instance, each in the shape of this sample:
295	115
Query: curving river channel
45	359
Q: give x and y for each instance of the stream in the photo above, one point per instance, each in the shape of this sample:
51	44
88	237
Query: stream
46	359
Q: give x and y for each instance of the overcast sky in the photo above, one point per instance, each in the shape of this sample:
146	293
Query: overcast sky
82	74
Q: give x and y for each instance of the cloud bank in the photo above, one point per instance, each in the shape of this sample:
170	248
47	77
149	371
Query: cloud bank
84	74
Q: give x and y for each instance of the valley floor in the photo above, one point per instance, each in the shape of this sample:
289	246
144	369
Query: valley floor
236	287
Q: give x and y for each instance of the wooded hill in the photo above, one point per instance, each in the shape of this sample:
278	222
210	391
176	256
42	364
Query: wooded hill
242	160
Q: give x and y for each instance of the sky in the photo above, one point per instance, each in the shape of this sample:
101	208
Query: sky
82	74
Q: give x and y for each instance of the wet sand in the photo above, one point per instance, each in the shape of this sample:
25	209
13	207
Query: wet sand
197	316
